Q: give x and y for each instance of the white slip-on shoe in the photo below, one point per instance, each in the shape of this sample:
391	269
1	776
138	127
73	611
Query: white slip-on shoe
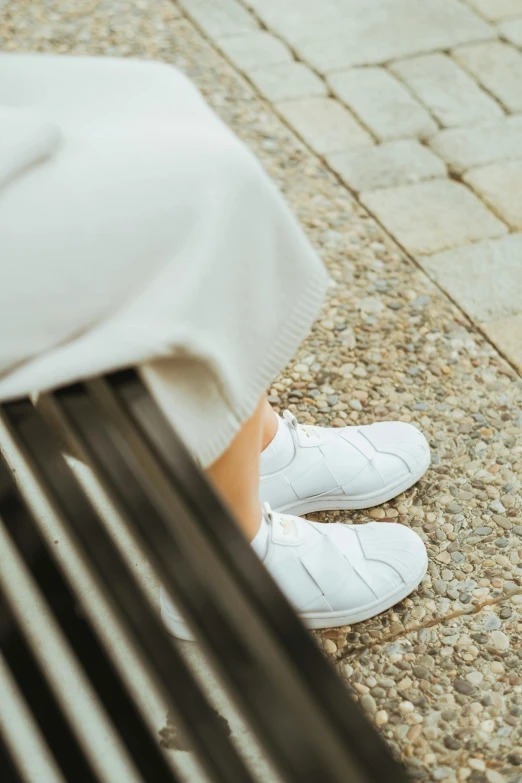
345	468
334	574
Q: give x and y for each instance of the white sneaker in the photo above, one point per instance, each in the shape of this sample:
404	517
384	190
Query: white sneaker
347	468
334	574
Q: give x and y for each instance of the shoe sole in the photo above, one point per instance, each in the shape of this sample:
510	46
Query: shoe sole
178	628
343	503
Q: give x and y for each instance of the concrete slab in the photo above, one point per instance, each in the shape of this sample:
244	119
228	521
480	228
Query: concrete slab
335	34
500	186
507	335
388	165
255	49
228	17
325	124
512	30
450	93
287	81
497	9
484	279
385	106
433	216
464	148
497	66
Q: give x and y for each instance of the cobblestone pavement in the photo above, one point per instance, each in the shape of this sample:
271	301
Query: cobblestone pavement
417	106
440	674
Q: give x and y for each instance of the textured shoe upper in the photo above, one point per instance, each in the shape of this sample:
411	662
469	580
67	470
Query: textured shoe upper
338	567
334	570
355	461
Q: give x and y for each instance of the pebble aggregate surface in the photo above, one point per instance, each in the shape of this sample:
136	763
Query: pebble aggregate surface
439	674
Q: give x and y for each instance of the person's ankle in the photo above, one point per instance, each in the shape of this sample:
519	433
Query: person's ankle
270	426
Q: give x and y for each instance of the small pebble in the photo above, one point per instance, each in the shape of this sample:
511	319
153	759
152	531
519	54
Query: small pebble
442	772
492	776
499	640
461	686
475	678
492	622
368	703
451	743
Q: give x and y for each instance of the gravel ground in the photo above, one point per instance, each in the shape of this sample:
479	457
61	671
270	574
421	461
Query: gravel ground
440	674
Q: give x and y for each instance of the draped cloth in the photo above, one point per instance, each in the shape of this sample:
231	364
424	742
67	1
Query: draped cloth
137	230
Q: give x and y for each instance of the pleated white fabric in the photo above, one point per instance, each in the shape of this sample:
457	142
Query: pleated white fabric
136	230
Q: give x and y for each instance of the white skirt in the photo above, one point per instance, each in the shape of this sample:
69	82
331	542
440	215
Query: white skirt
136	230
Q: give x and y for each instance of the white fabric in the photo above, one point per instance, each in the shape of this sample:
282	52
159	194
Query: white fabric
145	234
280	451
260	541
26	138
348	467
334	574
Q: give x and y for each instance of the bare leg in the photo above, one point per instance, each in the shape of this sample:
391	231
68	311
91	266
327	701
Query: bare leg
270	424
235	474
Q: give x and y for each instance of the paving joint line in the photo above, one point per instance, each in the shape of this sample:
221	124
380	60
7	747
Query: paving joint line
409	90
498	101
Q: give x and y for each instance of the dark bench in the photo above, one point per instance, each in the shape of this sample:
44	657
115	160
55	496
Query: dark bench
288	694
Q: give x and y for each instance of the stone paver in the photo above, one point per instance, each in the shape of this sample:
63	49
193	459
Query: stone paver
382	103
498	66
334	34
497	9
255	49
433	216
464	148
324	124
451	94
500	186
507	335
226	17
512	30
485	279
388	165
287	81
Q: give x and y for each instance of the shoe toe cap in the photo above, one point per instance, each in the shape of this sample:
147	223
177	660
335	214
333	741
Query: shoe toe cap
387	561
401	442
395	547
